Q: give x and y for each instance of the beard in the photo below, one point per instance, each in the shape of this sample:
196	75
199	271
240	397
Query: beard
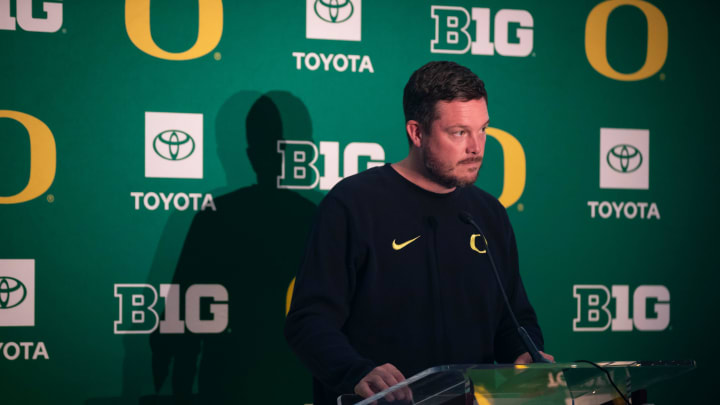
445	173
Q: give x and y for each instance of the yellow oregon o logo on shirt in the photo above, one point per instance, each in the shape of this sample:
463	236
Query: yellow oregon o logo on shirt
596	39
210	27
42	157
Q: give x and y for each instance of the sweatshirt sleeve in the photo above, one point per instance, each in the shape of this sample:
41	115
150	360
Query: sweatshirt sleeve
508	344
321	301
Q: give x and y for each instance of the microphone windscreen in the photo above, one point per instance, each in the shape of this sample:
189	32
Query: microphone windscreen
466	217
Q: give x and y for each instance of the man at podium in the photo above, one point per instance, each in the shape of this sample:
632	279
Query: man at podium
393	281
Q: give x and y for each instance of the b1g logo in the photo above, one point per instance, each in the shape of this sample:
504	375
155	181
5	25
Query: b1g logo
17	292
594	310
42	157
333	19
596	29
452	36
137	314
173	145
299	157
52	21
210	28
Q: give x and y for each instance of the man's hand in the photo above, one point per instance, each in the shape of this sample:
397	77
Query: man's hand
526	359
382	378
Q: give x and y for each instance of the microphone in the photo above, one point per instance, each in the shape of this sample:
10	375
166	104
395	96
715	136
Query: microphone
527	341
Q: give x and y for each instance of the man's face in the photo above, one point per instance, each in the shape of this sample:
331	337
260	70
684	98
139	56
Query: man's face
454	148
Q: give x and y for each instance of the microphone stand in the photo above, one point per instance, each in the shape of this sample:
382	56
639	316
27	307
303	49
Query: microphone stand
527	341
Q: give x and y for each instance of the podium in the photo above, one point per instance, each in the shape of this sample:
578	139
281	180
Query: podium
582	383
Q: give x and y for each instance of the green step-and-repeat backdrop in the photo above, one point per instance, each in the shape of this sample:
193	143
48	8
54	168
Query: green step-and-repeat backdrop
160	163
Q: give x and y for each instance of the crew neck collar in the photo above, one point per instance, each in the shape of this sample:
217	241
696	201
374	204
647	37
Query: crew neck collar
395	173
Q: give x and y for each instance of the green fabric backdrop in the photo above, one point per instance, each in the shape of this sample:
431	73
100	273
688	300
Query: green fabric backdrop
91	70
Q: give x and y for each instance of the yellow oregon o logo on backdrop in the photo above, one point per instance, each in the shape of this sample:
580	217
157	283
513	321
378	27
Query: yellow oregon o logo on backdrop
42	157
288	295
514	166
210	27
596	39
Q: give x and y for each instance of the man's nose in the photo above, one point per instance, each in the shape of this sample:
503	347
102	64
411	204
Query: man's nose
474	144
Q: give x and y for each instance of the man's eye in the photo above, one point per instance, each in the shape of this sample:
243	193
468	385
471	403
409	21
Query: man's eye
459	133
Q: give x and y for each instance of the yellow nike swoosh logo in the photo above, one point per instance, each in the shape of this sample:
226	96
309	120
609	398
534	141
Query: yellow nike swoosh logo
402	245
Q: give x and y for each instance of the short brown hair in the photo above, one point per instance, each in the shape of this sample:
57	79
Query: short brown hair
439	81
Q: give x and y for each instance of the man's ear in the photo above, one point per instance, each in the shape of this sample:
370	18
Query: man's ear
414	132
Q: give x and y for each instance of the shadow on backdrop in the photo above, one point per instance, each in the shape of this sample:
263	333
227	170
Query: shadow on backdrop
252	245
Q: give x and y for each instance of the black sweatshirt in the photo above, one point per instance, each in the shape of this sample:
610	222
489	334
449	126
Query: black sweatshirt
365	297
